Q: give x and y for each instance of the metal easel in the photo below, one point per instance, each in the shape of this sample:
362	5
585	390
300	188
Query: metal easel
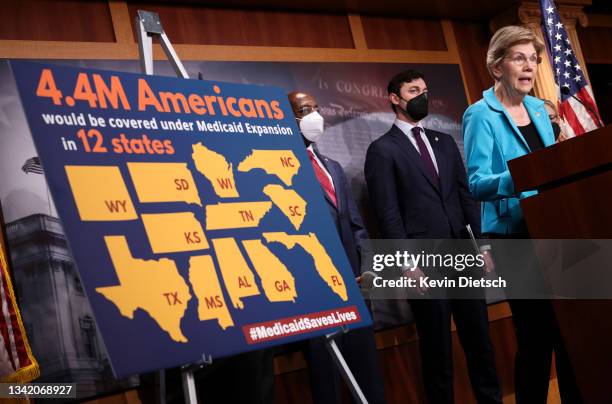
342	366
148	26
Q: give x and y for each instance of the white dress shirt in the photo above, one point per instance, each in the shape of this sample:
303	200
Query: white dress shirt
406	127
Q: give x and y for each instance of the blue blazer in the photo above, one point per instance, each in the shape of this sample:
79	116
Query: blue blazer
346	215
409	203
491	139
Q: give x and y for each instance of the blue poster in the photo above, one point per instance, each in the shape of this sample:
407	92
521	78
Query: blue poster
192	213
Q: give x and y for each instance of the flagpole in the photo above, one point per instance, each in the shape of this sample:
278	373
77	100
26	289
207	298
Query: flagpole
48	195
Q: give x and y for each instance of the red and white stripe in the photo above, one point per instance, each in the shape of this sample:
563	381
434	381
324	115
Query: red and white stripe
577	120
6	325
16	360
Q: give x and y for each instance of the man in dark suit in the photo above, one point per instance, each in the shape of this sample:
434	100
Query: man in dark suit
357	346
418	189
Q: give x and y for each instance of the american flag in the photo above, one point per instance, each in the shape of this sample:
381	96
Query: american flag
17	364
575	118
32	165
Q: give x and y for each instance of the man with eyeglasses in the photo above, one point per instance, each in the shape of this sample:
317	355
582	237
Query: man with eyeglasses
357	346
418	189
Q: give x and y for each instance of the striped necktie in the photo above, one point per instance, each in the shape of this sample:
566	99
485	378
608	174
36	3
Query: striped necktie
323	179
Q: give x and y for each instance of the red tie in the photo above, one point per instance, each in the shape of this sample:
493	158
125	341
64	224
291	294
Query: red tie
322	177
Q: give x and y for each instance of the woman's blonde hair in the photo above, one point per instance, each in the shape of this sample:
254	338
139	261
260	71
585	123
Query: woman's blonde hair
505	38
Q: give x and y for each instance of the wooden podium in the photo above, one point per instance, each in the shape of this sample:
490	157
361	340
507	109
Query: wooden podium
574	180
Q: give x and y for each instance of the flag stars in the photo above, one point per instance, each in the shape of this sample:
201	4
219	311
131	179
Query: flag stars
577	78
559	25
567	63
558	37
566	75
549	21
577	67
567	52
550	9
558	71
557	59
558	48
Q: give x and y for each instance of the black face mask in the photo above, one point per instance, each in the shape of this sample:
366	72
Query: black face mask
556	129
416	108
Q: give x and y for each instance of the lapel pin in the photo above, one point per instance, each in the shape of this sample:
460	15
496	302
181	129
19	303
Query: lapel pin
436	138
538	114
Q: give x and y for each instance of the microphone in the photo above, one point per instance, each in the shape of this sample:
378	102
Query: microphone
566	91
472	238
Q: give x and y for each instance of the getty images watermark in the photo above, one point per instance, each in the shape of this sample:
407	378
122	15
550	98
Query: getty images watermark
465	269
412	268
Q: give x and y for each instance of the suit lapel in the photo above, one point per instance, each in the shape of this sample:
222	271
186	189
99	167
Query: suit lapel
442	161
516	130
411	152
493	102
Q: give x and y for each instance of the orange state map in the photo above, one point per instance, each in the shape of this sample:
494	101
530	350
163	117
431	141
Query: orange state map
154	286
237	276
276	280
206	286
100	193
322	261
281	163
289	202
174	232
216	169
236	215
164	182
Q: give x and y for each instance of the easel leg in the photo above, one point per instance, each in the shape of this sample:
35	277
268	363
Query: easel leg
346	373
148	25
189	389
161	385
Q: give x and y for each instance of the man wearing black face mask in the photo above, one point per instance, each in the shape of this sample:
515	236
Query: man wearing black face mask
418	189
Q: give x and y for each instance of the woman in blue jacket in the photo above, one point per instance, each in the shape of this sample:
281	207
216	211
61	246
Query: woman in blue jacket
508	123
